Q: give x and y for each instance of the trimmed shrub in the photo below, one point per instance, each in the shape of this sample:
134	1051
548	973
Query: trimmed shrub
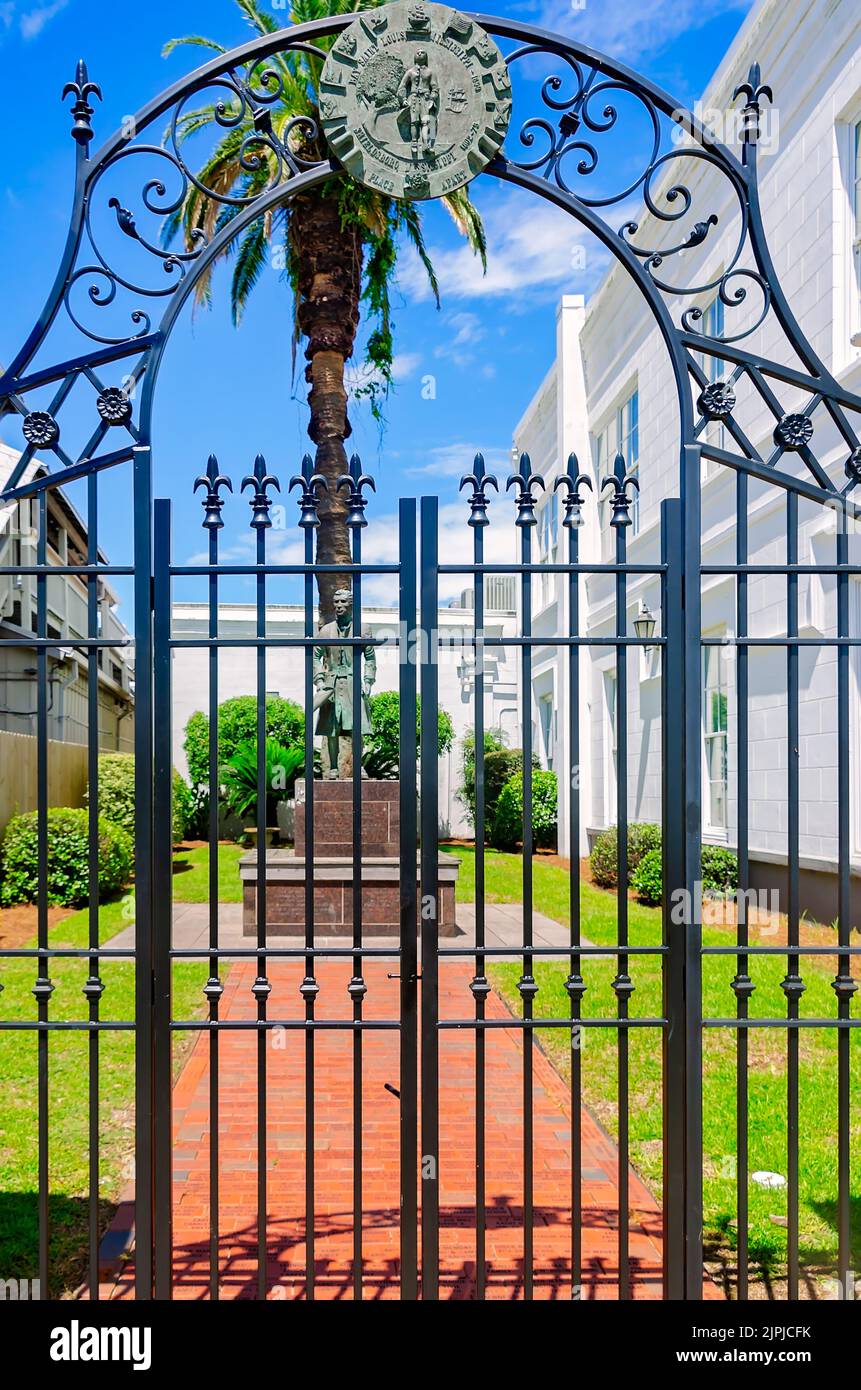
643	836
500	765
381	747
237	724
68	858
116	791
506	830
648	880
719	873
720	869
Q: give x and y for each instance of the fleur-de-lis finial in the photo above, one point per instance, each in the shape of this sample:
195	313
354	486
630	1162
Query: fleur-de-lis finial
311	484
260	481
354	481
620	481
574	500
755	92
479	499
82	89
212	480
525	480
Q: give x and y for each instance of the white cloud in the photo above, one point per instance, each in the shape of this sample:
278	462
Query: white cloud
461	332
33	21
531	245
633	31
456	460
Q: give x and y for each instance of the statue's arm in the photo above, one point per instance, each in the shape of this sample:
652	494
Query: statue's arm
370	667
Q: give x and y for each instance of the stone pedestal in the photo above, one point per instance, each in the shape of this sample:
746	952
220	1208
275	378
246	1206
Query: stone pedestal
333	819
333	868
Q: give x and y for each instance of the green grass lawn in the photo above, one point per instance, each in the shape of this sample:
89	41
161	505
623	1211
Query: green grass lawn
767	1071
68	1098
191	874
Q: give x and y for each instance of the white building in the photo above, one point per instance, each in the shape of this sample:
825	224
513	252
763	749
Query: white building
285	671
67	618
611	388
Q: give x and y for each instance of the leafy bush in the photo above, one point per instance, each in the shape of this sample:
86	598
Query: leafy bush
237	724
239	777
500	765
68	858
648	879
643	836
381	747
719	869
116	794
719	873
506	829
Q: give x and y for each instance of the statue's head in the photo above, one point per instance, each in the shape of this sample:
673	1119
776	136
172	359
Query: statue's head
342	601
421	58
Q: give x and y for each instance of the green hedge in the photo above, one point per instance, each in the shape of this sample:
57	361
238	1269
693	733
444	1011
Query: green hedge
116	794
642	837
719	874
506	829
500	765
68	858
237	724
381	747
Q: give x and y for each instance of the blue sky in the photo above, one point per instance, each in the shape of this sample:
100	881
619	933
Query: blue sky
230	391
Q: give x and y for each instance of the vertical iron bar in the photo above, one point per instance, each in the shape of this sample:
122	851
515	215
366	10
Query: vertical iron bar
358	980
742	982
310	995
43	985
214	981
407	657
575	983
480	988
93	987
162	873
793	984
622	981
147	1104
692	707
844	986
429	900
262	981
674	932
527	983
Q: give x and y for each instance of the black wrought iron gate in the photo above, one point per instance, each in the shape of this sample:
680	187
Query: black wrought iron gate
120	366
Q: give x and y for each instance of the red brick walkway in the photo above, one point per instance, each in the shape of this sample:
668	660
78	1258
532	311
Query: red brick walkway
333	1150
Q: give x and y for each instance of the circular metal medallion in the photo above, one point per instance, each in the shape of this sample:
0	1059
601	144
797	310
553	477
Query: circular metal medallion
415	99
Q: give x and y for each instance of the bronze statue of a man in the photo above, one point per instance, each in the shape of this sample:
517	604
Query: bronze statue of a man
333	681
419	95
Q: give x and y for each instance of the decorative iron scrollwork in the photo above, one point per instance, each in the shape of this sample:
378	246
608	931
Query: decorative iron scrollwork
311	485
354	482
621	482
480	482
574	500
213	481
525	480
260	482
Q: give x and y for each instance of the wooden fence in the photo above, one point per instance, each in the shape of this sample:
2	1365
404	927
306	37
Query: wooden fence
67	774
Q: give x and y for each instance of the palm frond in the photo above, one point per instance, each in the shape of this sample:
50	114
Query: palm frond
194	41
250	263
258	19
467	219
411	220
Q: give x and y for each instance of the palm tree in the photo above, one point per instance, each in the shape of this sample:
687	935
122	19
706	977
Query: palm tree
340	244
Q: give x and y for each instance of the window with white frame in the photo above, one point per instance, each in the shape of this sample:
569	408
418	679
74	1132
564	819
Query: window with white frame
715	738
547	716
620	435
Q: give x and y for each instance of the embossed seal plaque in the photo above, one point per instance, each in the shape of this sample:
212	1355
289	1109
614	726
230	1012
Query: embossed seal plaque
415	99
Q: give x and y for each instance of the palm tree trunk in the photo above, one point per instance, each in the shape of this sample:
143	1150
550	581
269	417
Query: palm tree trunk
328	257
